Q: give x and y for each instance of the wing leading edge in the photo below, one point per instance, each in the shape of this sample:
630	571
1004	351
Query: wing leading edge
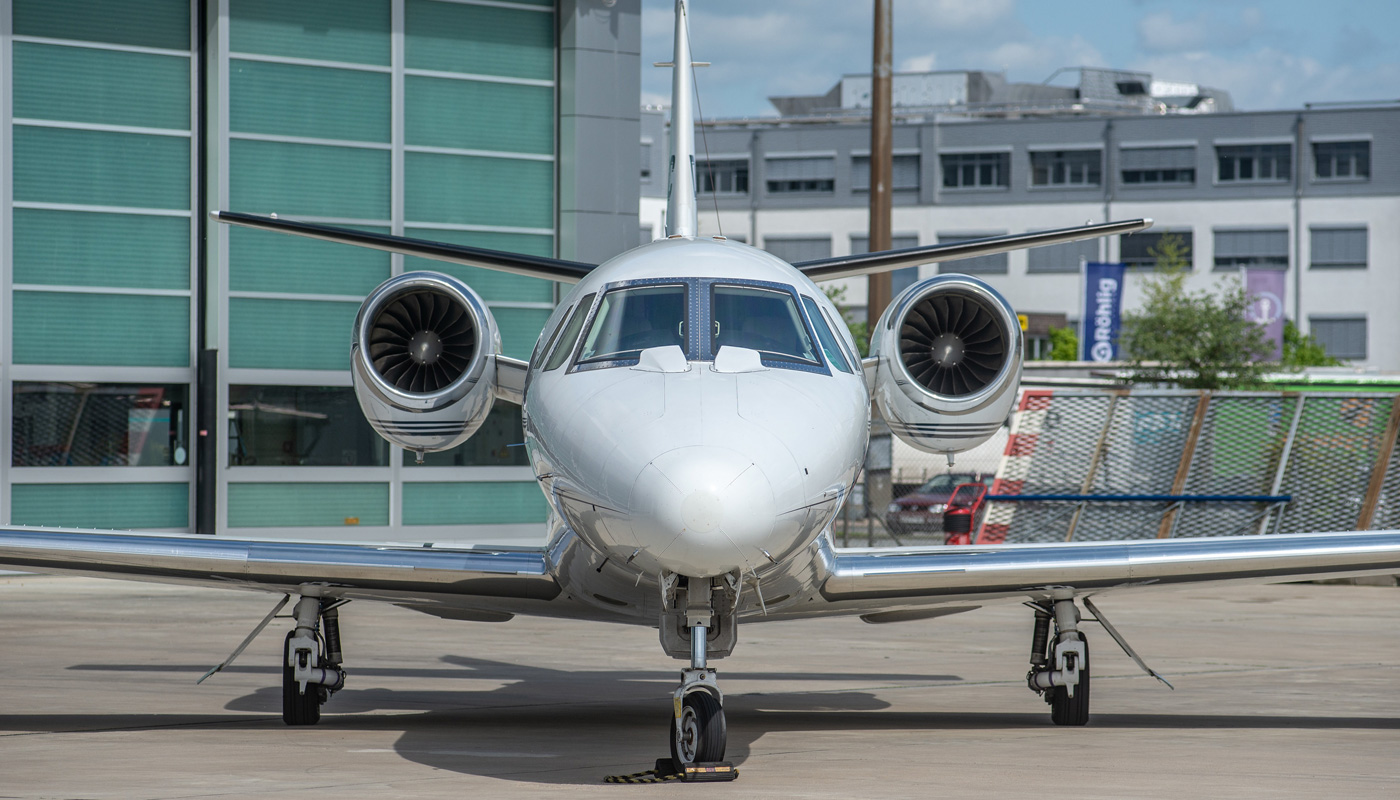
900	576
826	269
509	580
555	269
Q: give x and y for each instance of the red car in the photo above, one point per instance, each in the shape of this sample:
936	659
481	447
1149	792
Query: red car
921	511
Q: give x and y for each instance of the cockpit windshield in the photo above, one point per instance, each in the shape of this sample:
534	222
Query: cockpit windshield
630	320
766	320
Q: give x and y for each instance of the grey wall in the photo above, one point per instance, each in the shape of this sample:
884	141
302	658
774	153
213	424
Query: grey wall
599	82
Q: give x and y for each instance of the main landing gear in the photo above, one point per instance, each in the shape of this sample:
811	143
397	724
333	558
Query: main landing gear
1060	668
311	670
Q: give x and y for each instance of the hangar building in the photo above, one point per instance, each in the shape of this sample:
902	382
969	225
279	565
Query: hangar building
163	372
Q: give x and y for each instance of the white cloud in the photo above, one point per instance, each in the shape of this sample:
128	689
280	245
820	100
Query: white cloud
1268	78
1162	32
1034	59
958	14
924	63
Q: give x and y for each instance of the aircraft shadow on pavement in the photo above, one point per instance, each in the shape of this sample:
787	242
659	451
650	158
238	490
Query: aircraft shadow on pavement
545	725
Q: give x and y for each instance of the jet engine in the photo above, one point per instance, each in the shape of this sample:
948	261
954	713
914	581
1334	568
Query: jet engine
422	359
949	363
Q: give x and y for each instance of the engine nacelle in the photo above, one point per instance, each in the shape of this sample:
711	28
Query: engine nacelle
950	353
422	359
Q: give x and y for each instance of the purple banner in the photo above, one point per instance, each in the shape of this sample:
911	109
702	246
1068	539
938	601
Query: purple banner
1266	287
1103	308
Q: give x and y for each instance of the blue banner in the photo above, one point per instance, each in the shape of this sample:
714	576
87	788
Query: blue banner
1103	310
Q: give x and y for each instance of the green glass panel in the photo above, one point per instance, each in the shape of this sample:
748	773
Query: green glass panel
479	40
476	115
297	505
490	284
356	31
310	180
103	329
520	327
294	100
111	506
102	86
264	261
479	191
57	165
76	248
143	23
485	503
289	334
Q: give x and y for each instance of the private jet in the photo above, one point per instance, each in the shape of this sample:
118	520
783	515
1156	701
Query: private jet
696	413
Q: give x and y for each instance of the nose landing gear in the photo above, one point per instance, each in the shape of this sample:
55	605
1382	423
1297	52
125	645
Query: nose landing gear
698	730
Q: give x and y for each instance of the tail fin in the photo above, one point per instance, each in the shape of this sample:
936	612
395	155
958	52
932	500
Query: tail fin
680	193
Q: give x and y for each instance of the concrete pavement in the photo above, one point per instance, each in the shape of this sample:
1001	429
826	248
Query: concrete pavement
1282	691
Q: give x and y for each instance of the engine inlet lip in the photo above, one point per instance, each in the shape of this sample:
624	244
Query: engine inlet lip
1001	311
380	299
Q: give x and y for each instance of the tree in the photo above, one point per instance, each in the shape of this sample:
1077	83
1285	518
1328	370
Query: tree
1302	350
1064	344
1197	340
860	331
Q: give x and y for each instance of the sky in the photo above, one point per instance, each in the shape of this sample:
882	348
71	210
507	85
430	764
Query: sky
1268	55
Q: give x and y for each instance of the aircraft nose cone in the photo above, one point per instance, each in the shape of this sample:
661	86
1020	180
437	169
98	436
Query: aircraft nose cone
703	510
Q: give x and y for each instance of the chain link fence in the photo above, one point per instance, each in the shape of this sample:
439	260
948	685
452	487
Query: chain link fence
1083	465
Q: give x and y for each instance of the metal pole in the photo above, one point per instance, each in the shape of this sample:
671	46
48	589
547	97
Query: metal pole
1183	468
1094	463
1283	464
881	167
1373	491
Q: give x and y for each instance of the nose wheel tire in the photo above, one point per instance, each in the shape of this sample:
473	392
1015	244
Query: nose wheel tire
700	733
298	708
1066	710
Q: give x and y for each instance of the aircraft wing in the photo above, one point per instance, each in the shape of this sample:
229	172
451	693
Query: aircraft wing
870	580
555	269
826	269
488	584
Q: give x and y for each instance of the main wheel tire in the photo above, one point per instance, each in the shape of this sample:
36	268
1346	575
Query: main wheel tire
700	733
1066	710
297	708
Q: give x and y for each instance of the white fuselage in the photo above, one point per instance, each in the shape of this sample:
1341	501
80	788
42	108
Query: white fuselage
701	458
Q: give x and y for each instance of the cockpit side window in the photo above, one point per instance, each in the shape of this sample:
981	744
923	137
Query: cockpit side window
565	345
633	319
537	360
825	336
765	320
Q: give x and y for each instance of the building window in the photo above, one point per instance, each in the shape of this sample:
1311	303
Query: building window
994	264
1138	250
904	173
1157	166
793	249
975	170
1338	248
311	426
99	425
646	161
1342	161
1342	337
1254	163
730	176
1065	257
1259	248
1067	168
800	175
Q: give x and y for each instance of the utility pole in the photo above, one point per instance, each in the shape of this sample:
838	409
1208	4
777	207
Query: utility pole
881	167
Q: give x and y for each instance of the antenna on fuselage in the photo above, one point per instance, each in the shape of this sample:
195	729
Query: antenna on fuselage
680	187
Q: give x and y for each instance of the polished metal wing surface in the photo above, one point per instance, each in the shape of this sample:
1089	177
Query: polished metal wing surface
869	580
499	580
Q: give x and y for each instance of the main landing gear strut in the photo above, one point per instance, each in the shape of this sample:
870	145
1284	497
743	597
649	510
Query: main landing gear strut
1060	669
311	670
